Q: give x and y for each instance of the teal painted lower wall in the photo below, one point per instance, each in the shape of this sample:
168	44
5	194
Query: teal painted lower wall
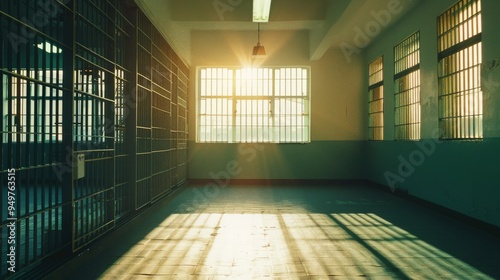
463	176
315	160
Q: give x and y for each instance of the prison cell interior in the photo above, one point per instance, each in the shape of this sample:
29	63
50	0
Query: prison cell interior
93	79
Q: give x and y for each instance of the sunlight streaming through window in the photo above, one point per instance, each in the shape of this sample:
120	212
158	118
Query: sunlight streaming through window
376	100
407	88
459	71
253	105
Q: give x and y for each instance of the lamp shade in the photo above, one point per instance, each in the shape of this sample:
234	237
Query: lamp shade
258	51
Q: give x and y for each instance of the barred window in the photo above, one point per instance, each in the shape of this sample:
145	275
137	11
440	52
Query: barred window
376	100
407	88
32	110
253	105
459	75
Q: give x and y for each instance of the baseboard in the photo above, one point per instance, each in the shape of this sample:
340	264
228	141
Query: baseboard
485	226
277	182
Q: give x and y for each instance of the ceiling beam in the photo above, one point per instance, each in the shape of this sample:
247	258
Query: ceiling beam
353	25
335	23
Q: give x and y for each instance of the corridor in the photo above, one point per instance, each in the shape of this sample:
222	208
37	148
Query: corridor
350	231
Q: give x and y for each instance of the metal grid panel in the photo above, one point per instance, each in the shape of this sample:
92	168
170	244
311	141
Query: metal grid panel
174	171
460	23
122	187
161	116
182	129
161	77
407	88
143	184
32	151
143	131
253	105
376	100
291	108
215	107
123	94
94	133
459	71
64	95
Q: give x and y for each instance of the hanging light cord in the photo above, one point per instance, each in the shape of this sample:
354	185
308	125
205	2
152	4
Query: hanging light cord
258	33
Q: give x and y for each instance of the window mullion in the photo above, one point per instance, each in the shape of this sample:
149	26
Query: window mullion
459	122
272	108
252	109
234	125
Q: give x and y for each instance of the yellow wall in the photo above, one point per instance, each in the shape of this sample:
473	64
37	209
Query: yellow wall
338	118
337	104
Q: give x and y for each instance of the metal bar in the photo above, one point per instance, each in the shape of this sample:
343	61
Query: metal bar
28	131
251	109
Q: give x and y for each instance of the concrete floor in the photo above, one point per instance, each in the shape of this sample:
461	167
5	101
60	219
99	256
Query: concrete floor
290	232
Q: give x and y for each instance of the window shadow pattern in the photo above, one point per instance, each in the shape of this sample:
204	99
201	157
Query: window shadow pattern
342	232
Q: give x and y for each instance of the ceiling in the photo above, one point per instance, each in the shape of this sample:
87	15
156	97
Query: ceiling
330	23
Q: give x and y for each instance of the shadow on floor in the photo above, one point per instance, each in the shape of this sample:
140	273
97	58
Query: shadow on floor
290	232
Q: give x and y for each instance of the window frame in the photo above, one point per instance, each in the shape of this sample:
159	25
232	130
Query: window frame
45	99
460	97
376	84
407	94
236	98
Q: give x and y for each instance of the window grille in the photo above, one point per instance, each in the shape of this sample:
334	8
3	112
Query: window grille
407	88
93	79
253	105
376	100
459	71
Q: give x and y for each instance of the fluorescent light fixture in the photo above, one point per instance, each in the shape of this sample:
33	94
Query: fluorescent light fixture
261	10
48	47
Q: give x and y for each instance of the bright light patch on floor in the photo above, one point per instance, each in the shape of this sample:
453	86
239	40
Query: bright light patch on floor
286	245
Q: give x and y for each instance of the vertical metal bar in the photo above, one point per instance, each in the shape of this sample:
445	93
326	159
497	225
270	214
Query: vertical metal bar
243	113
130	95
254	104
286	103
412	106
208	112
25	237
477	90
464	90
478	93
214	100
272	100
469	90
274	105
218	122
68	66
3	127
202	119
38	117
473	89
213	113
244	118
279	110
411	103
17	117
28	115
295	111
